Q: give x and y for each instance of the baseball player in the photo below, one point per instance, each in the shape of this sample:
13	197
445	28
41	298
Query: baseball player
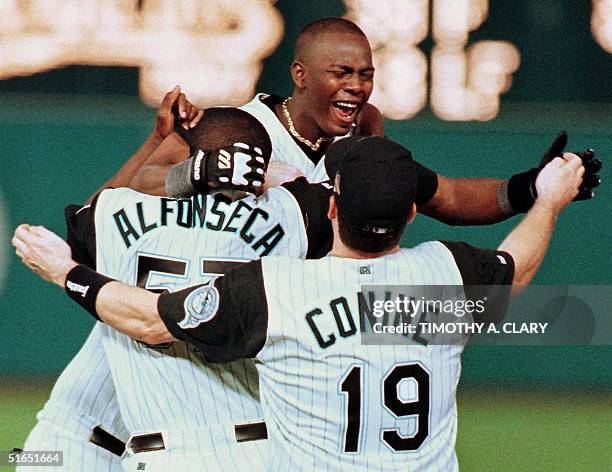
333	75
81	417
183	413
331	402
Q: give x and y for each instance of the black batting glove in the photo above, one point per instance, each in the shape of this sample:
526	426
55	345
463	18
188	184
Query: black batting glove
521	189
236	167
591	178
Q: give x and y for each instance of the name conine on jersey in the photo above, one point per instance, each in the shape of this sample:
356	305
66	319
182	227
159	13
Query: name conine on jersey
339	317
237	217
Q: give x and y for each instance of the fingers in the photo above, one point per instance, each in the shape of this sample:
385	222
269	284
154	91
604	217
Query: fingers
25	235
258	156
592	167
584	194
585	155
188	114
590	178
169	100
196	119
23	241
558	145
193	117
19	245
572	159
556	162
183	106
591	181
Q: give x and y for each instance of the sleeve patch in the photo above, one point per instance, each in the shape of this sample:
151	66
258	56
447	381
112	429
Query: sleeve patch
200	306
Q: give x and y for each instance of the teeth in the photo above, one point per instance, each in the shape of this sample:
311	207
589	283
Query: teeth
347	105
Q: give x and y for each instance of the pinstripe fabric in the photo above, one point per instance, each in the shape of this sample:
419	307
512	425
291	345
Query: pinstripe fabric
301	382
83	397
284	148
172	388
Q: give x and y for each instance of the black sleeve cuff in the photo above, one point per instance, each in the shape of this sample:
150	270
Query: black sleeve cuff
225	319
313	200
487	275
427	184
81	232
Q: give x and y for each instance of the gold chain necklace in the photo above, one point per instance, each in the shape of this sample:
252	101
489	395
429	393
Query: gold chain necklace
295	134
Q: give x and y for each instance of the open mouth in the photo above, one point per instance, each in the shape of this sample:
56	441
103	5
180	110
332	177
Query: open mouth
346	111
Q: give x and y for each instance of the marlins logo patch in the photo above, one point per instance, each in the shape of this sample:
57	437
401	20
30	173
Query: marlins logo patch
200	306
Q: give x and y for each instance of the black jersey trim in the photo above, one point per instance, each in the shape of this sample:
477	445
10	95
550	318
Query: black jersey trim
237	319
81	232
487	275
427	183
313	200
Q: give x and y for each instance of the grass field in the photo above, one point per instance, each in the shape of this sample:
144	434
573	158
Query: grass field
510	431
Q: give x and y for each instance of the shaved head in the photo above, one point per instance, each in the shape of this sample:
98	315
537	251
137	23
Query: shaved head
333	75
306	43
224	126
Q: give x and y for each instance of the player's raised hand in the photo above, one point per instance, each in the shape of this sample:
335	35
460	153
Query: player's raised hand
522	189
590	179
237	167
44	252
559	181
175	109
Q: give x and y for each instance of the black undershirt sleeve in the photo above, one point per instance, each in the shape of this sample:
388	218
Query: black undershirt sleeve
81	232
427	183
313	200
487	274
226	319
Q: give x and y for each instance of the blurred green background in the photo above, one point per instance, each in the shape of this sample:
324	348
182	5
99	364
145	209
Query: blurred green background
64	132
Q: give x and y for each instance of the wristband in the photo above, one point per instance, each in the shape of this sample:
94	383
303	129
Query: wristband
520	191
83	284
178	181
503	201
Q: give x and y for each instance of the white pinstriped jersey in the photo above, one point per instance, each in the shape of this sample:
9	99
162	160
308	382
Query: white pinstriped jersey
306	388
332	402
284	148
162	243
82	398
91	393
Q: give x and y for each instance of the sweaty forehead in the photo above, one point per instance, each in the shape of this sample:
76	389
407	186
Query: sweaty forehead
336	48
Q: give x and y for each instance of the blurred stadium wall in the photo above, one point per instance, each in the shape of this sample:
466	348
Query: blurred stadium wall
65	131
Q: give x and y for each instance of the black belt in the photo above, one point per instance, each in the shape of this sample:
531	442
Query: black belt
107	441
155	441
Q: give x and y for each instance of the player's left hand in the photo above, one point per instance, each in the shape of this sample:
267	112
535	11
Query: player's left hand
236	167
175	109
44	252
590	179
559	181
522	190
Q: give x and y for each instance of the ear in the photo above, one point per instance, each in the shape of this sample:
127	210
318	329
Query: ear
412	214
298	72
332	212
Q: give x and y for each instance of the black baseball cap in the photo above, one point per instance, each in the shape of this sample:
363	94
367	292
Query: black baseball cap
375	183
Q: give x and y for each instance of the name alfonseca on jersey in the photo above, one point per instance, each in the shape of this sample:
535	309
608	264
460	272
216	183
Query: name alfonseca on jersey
239	218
